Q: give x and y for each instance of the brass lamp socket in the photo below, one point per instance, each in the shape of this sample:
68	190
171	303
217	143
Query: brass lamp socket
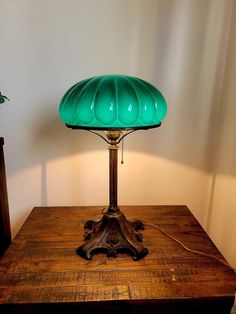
113	136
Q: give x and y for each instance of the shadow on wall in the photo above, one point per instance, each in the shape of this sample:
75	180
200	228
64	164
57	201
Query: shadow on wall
180	66
193	89
53	137
225	152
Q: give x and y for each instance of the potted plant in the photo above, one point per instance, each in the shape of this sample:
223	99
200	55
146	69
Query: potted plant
3	98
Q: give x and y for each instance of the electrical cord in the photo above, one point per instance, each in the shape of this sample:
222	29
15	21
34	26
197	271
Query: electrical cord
187	248
183	245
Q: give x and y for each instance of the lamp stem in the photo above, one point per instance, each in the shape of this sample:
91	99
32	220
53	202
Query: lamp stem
113	233
113	153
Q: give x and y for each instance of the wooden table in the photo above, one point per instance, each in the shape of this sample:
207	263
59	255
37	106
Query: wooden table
41	271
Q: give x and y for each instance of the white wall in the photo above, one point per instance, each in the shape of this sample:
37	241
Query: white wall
221	222
46	46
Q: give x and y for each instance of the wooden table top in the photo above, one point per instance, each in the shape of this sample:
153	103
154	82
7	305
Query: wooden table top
41	265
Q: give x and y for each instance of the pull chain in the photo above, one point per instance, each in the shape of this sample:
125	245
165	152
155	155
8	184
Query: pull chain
122	152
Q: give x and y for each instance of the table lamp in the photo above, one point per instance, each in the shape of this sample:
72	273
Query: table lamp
117	105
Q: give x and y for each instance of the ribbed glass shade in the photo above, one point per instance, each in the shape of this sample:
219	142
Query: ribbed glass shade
112	102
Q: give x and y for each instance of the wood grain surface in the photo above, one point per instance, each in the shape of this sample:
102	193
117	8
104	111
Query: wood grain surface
40	270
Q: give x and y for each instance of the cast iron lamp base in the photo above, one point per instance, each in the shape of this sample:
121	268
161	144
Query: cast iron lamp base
113	234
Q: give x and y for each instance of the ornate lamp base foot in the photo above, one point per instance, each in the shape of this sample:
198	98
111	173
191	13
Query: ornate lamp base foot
113	234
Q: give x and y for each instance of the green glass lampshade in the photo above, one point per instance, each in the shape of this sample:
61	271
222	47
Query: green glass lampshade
112	102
